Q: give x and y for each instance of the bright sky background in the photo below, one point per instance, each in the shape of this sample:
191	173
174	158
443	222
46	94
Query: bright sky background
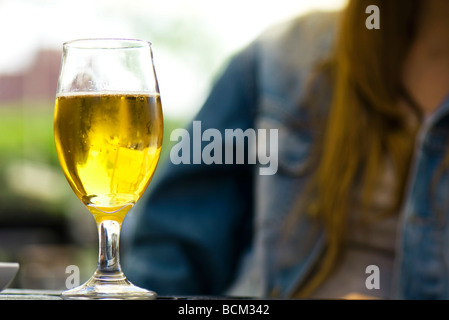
204	33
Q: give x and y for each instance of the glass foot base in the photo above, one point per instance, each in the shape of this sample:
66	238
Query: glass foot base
108	288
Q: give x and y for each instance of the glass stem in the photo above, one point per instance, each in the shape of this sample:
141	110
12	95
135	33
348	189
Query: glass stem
109	259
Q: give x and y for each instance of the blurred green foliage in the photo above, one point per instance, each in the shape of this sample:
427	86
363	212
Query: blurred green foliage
27	148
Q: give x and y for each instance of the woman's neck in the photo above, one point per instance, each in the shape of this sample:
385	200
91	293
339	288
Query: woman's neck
433	32
426	69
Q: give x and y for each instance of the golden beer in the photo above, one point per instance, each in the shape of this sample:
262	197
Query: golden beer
108	145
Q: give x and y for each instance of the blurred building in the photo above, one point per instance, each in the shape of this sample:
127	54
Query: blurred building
36	230
37	81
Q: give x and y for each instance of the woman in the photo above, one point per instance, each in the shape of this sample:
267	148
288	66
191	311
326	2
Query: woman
362	179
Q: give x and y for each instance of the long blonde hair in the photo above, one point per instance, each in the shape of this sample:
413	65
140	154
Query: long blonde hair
364	124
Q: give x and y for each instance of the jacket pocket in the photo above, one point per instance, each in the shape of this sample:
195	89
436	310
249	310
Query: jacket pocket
293	146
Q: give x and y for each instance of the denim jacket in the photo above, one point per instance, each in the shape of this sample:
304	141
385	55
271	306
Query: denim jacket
218	229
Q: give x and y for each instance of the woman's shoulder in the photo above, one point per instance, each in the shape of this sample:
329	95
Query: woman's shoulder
317	28
293	44
310	24
286	55
293	47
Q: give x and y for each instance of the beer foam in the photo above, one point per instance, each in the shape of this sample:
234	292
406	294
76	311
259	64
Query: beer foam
107	93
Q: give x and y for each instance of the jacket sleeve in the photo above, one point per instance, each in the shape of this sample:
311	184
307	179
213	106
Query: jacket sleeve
196	221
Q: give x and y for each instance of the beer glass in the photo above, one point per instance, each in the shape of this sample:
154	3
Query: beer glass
108	129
